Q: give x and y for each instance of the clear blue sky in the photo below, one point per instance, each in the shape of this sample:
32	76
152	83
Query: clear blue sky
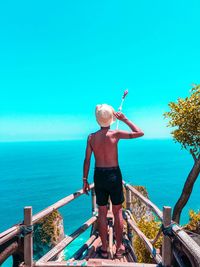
58	59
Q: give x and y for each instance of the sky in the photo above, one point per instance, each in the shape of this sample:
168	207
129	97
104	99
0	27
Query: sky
59	59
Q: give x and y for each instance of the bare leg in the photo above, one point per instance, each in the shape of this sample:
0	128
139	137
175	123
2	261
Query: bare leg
102	222
118	225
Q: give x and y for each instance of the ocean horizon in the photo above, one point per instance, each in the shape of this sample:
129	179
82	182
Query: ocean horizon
40	173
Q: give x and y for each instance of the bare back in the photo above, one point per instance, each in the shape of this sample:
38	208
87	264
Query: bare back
104	146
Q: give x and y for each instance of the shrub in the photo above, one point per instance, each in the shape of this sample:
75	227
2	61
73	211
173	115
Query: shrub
150	228
194	222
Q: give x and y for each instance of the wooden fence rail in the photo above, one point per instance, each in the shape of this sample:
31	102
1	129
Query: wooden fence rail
191	246
145	200
94	240
13	231
146	241
67	240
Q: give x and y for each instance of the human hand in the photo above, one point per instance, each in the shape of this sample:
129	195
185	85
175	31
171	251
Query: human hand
86	187
120	116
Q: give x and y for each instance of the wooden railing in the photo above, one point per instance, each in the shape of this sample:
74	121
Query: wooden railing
29	222
192	248
164	258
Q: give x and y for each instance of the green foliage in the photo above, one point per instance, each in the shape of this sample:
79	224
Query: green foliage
150	229
47	230
185	117
147	223
194	222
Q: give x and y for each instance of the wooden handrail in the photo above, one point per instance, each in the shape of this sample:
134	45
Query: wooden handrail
146	241
192	247
62	202
10	235
67	240
92	249
187	242
182	236
145	200
9	250
9	230
84	247
14	230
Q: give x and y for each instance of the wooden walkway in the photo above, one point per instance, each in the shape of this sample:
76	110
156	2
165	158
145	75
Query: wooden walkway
20	238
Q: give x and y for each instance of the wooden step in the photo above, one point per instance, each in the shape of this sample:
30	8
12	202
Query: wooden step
93	263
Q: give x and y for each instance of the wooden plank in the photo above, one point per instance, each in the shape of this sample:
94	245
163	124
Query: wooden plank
9	230
60	263
28	238
166	244
131	252
67	240
93	248
93	263
125	264
9	250
85	246
10	235
178	258
105	261
192	247
62	202
153	241
145	200
146	241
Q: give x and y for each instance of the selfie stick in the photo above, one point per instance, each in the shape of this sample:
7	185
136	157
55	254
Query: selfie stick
120	107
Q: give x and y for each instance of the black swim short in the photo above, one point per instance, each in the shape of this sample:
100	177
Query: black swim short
108	182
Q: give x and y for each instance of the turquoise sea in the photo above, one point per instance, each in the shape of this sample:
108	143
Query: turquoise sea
40	173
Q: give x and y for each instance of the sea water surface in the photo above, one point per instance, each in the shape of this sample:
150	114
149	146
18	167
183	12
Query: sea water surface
38	174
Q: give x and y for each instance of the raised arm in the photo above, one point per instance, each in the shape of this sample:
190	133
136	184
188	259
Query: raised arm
86	165
136	131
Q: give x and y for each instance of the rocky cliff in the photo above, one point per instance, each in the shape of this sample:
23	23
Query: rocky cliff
48	232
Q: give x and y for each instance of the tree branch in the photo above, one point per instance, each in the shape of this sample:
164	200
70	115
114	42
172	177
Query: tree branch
193	155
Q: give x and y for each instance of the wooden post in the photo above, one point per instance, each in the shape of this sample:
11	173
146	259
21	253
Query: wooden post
129	207
166	246
94	205
128	199
28	238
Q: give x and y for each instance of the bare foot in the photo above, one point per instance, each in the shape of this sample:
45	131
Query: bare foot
103	252
121	247
120	251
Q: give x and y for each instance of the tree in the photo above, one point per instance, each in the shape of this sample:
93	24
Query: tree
184	115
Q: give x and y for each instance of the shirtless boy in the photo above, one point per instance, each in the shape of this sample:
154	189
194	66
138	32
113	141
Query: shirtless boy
107	173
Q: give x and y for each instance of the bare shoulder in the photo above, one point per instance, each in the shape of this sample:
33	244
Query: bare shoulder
91	137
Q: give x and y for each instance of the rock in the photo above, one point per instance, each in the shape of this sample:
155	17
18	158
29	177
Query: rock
48	232
139	209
